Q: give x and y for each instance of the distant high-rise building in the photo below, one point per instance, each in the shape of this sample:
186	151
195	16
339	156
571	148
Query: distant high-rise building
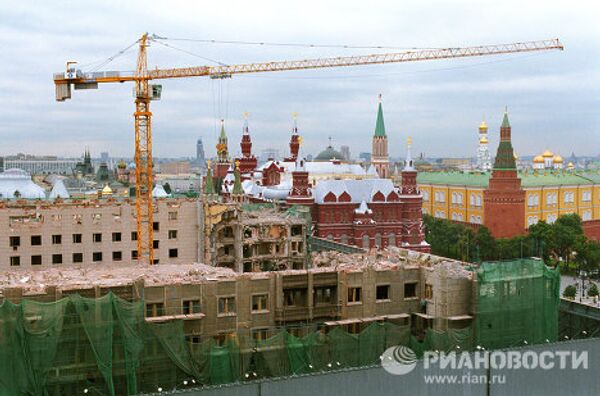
200	158
345	150
366	157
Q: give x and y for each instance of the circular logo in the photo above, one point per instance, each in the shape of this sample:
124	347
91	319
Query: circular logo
399	360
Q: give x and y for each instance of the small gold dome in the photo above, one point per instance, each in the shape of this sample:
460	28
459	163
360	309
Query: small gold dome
515	155
107	190
570	165
122	165
538	159
483	140
557	159
548	154
483	126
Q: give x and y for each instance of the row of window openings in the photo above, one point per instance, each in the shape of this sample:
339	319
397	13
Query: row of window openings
15	261
292	297
552	198
36	240
457	198
98	216
226	305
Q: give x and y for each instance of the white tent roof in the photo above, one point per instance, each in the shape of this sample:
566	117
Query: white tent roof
359	190
363	208
59	190
159	192
13	180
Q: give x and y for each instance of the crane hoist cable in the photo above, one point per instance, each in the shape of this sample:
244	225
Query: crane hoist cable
278	44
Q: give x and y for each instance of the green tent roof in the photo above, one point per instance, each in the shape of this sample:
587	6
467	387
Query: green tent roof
505	123
380	125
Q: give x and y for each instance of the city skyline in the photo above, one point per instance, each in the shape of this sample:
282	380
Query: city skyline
551	96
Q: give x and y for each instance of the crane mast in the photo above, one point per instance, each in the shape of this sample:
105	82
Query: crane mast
143	158
145	92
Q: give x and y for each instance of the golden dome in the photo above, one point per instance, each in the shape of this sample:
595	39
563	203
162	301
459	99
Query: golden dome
515	155
557	159
538	159
107	190
548	154
570	165
483	140
483	125
122	165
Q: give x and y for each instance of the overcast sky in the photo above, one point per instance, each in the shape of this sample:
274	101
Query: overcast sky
553	97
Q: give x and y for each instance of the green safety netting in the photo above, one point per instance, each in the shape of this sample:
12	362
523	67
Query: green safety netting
517	303
106	346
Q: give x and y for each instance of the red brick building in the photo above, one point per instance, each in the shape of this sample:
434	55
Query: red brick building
364	212
371	213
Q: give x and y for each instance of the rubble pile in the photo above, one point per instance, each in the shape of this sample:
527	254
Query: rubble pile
389	258
35	280
453	270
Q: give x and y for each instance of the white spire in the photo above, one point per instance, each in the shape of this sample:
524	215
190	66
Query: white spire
408	162
245	131
295	127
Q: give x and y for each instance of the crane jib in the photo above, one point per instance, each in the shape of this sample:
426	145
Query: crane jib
148	92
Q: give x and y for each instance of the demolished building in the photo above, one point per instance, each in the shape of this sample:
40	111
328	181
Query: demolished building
130	329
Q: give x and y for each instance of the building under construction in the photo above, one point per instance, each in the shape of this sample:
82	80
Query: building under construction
129	330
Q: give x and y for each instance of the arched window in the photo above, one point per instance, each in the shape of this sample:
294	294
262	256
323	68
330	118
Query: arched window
391	239
344	239
378	240
365	241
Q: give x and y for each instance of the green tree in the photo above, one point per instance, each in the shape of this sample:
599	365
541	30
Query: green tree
485	244
567	233
541	238
570	292
167	187
588	255
593	290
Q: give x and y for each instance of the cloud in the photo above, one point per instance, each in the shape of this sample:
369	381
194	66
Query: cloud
553	97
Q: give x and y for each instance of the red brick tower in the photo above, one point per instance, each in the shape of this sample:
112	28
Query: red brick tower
248	161
413	235
504	199
294	142
300	192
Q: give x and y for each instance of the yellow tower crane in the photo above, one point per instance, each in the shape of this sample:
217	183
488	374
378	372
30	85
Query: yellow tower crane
145	92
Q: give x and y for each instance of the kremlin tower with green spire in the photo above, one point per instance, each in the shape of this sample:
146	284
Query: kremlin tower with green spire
379	154
504	199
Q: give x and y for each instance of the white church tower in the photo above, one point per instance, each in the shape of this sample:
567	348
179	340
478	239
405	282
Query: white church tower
484	161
